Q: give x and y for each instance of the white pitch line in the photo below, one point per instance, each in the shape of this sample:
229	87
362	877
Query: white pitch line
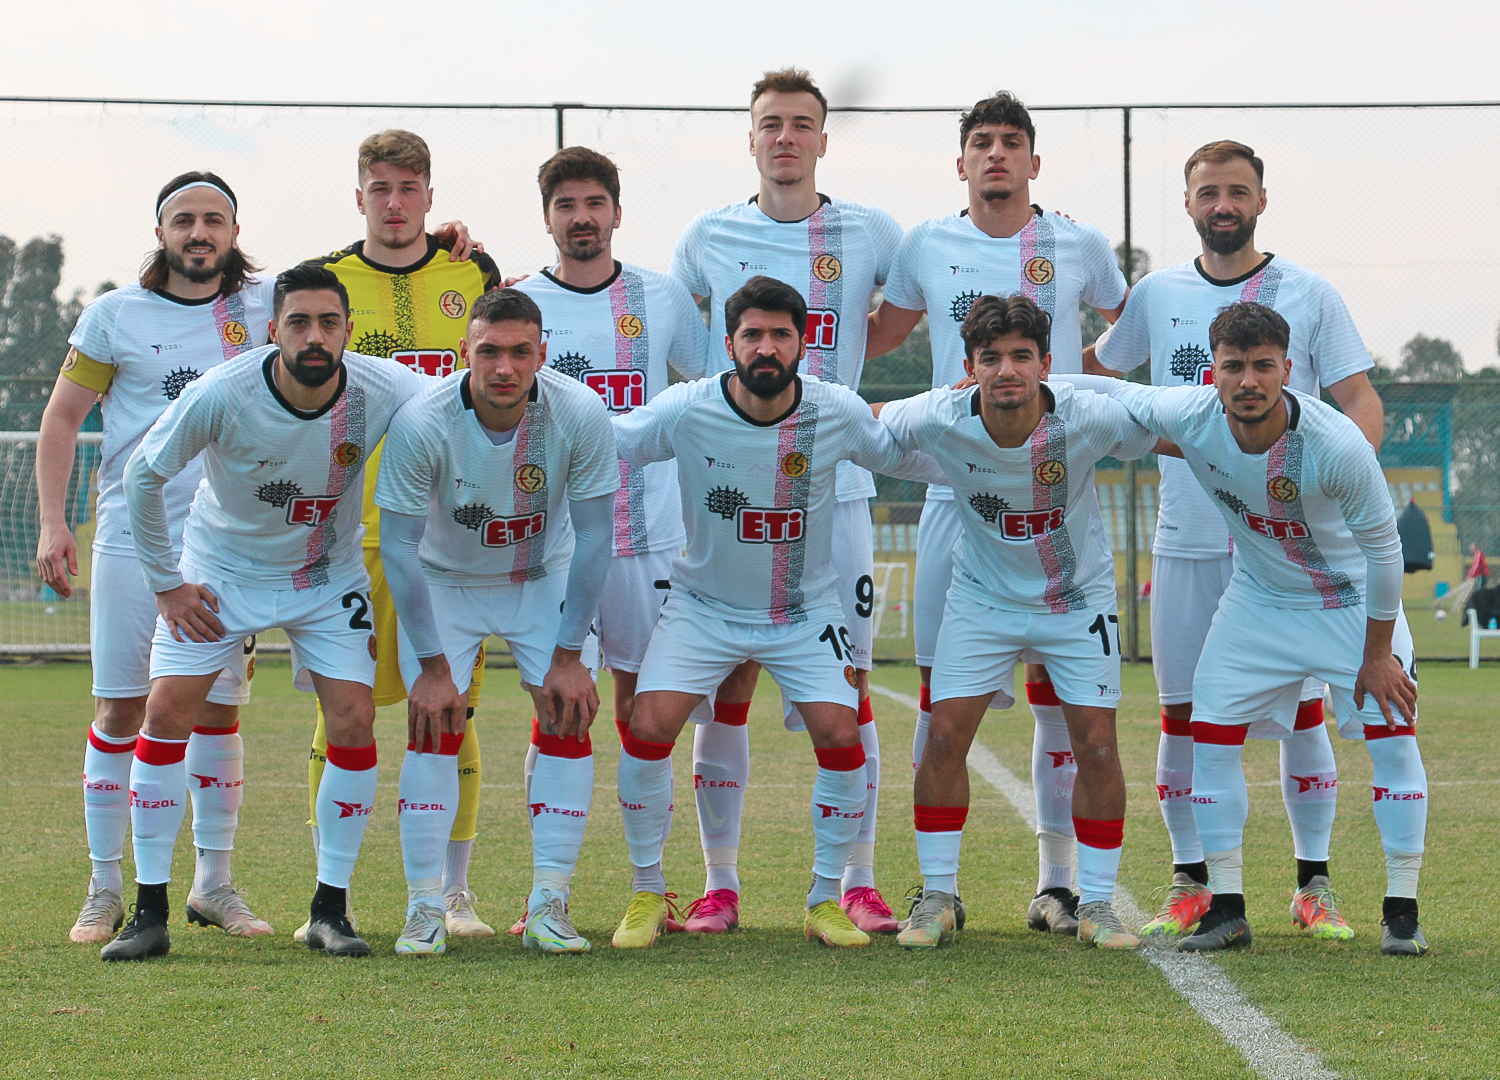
1270	1051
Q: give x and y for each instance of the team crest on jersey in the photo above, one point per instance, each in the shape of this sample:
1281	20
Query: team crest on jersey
621	389
571	364
176	382
827	268
531	478
347	454
794	464
1269	527
630	326
849	676
822	329
1039	270
427	361
726	502
988	506
234	333
1282	488
1050	472
453	304
1192	365
371	644
959	309
770	524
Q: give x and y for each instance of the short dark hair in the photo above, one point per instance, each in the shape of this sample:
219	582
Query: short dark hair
577	163
789	80
1246	324
307	277
402	149
765	294
505	305
1221	152
1002	107
237	268
993	317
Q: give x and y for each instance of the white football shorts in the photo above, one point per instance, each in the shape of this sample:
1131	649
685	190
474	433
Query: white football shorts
692	651
1184	596
1257	657
525	615
122	619
631	603
854	563
330	627
979	646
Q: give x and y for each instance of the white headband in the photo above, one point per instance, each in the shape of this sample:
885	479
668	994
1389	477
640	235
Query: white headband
189	187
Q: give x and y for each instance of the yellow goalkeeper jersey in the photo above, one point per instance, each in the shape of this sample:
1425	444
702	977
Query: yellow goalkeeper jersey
415	314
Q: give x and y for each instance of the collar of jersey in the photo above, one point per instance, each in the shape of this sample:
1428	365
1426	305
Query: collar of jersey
724	388
965	213
599	288
1046	391
268	368
468	398
1224	284
432	249
184	301
754	200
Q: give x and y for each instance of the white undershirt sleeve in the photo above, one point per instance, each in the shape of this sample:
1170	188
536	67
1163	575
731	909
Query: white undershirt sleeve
593	530
1383	569
148	523
400	541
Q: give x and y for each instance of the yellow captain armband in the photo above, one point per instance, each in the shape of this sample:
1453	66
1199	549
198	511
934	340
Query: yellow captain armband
87	372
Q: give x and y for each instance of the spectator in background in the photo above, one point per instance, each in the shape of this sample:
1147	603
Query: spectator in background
1479	568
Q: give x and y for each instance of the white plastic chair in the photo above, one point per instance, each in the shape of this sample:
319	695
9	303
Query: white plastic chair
1475	633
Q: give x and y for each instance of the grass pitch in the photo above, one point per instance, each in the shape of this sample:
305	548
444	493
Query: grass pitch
1001	1002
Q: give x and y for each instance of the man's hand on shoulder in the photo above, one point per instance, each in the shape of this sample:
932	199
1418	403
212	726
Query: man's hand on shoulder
454	235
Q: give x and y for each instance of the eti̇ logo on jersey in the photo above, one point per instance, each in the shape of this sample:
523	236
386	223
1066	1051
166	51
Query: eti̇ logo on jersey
311	510
531	478
1281	488
1050	472
1269	527
629	326
1039	270
822	328
428	361
794	464
453	304
234	333
503	532
347	454
621	389
1018	526
827	268
769	525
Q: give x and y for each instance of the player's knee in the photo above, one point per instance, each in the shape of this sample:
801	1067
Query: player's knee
350	723
211	714
119	717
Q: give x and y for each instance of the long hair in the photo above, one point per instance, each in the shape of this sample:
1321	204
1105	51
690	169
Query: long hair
237	268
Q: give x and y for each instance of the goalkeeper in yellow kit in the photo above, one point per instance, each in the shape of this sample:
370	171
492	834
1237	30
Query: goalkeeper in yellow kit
409	298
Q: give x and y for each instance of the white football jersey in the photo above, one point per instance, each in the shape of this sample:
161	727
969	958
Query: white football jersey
758	498
280	506
1166	321
1291	509
1034	539
943	265
836	259
617	339
497	515
157	345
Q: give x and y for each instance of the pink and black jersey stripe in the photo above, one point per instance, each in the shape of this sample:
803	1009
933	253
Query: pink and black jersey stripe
796	434
530	450
231	309
1284	470
825	237
627	296
1039	263
1261	287
1049	458
346	425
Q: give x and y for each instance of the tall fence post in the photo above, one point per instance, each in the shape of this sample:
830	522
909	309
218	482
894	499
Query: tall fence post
559	109
1132	541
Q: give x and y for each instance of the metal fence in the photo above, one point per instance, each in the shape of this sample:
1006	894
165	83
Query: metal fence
1391	202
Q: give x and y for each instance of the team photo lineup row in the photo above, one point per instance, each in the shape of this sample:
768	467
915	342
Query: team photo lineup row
391	430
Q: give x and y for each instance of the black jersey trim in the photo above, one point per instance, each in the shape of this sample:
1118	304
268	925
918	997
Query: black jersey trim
184	301
823	200
1225	283
1046	390
724	389
599	288
357	249
1039	212
1293	410
267	369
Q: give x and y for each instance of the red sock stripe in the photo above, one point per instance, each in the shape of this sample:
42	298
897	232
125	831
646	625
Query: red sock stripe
924	698
559	746
159	751
841	758
1099	834
640	748
1380	731
104	746
1219	734
352	758
732	713
1042	693
199	730
448	744
1309	715
1175	727
866	712
940	818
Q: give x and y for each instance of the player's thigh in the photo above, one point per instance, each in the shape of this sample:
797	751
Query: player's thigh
1082	652
122	619
244	612
1252	667
1339	667
854	563
1184	596
810	661
630	606
937	535
390	685
691	651
332	632
462	618
977	650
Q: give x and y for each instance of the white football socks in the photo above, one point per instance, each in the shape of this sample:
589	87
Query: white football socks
1099	846
346	798
940	834
1221	801
644	781
1053	773
158	787
1399	786
924	725
1174	789
106	803
838	806
721	772
562	790
426	807
860	873
1309	788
